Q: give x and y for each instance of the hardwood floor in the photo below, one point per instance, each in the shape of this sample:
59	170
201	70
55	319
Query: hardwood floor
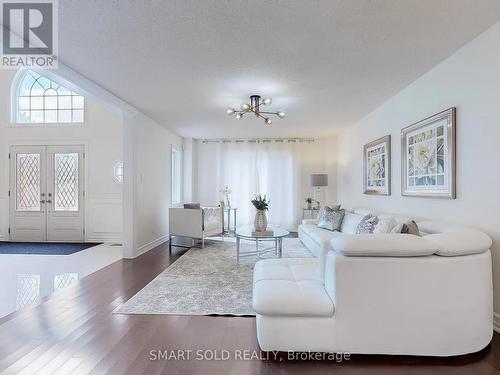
74	332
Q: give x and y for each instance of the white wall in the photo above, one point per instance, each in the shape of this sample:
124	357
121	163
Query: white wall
315	157
101	133
470	81
148	183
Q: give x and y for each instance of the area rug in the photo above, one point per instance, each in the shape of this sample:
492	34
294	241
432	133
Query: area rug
43	248
206	281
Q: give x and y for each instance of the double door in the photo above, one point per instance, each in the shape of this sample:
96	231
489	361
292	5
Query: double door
47	193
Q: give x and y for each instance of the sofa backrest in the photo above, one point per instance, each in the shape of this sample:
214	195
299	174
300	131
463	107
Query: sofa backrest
449	239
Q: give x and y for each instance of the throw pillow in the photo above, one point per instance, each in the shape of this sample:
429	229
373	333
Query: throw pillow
322	209
350	222
331	219
384	225
397	229
410	227
192	206
367	225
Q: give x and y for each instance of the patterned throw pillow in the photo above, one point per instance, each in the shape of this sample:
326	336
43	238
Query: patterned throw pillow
322	210
331	219
367	225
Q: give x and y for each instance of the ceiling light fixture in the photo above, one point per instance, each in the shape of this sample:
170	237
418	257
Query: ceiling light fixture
254	107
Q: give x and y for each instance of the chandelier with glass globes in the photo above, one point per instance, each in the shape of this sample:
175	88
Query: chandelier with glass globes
256	102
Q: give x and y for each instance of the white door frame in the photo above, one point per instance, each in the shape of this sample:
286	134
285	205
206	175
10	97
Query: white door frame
54	143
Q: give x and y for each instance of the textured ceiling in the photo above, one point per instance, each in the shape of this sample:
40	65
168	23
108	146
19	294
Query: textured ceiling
325	63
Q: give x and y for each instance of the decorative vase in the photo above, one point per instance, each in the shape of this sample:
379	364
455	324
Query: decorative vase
260	222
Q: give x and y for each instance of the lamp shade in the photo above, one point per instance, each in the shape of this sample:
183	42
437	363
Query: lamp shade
318	180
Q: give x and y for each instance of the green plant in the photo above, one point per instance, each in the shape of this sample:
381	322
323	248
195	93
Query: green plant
309	200
261	202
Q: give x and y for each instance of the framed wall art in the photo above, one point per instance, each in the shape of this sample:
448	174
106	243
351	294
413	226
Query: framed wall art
377	166
428	161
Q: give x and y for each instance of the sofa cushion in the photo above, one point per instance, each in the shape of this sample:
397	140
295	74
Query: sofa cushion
310	221
350	222
286	269
308	228
323	237
290	287
466	242
387	244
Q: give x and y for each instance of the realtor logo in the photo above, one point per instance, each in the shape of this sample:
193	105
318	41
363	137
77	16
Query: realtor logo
29	34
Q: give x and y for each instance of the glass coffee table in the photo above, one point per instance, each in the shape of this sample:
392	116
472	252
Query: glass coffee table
262	239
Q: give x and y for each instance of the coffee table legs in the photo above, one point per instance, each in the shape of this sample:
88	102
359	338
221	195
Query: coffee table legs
278	248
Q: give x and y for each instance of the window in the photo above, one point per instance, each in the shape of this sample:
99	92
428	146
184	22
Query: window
176	175
38	99
118	172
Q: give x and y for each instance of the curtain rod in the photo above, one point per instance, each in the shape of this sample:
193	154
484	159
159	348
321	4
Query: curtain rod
259	140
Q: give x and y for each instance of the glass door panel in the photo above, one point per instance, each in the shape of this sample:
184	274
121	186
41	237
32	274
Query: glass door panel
28	182
66	181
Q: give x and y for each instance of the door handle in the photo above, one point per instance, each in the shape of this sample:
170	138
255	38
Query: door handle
42	201
49	201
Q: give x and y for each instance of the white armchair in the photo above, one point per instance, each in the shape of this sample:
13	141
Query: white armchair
195	223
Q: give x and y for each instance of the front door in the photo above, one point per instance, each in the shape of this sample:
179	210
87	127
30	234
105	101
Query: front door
46	193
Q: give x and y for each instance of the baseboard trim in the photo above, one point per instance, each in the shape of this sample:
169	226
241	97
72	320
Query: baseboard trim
151	245
104	239
496	322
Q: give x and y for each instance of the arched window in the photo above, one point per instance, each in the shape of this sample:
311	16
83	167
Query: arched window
38	99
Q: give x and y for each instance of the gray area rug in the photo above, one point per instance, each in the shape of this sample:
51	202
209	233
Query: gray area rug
206	282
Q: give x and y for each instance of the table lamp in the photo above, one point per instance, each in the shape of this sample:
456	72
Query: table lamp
318	181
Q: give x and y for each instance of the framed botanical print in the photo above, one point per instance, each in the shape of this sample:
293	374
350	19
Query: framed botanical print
377	166
428	157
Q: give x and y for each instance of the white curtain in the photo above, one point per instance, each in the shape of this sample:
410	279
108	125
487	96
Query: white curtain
271	168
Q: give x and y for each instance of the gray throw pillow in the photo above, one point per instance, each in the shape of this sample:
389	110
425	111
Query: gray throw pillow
192	206
367	225
331	219
410	228
322	210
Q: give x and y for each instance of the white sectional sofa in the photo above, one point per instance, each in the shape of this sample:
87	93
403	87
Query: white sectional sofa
379	293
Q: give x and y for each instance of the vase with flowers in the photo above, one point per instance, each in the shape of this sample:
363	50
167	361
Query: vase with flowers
261	203
309	203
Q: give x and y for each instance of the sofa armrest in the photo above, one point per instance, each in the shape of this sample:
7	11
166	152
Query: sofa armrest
383	245
425	298
465	242
309	221
186	222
